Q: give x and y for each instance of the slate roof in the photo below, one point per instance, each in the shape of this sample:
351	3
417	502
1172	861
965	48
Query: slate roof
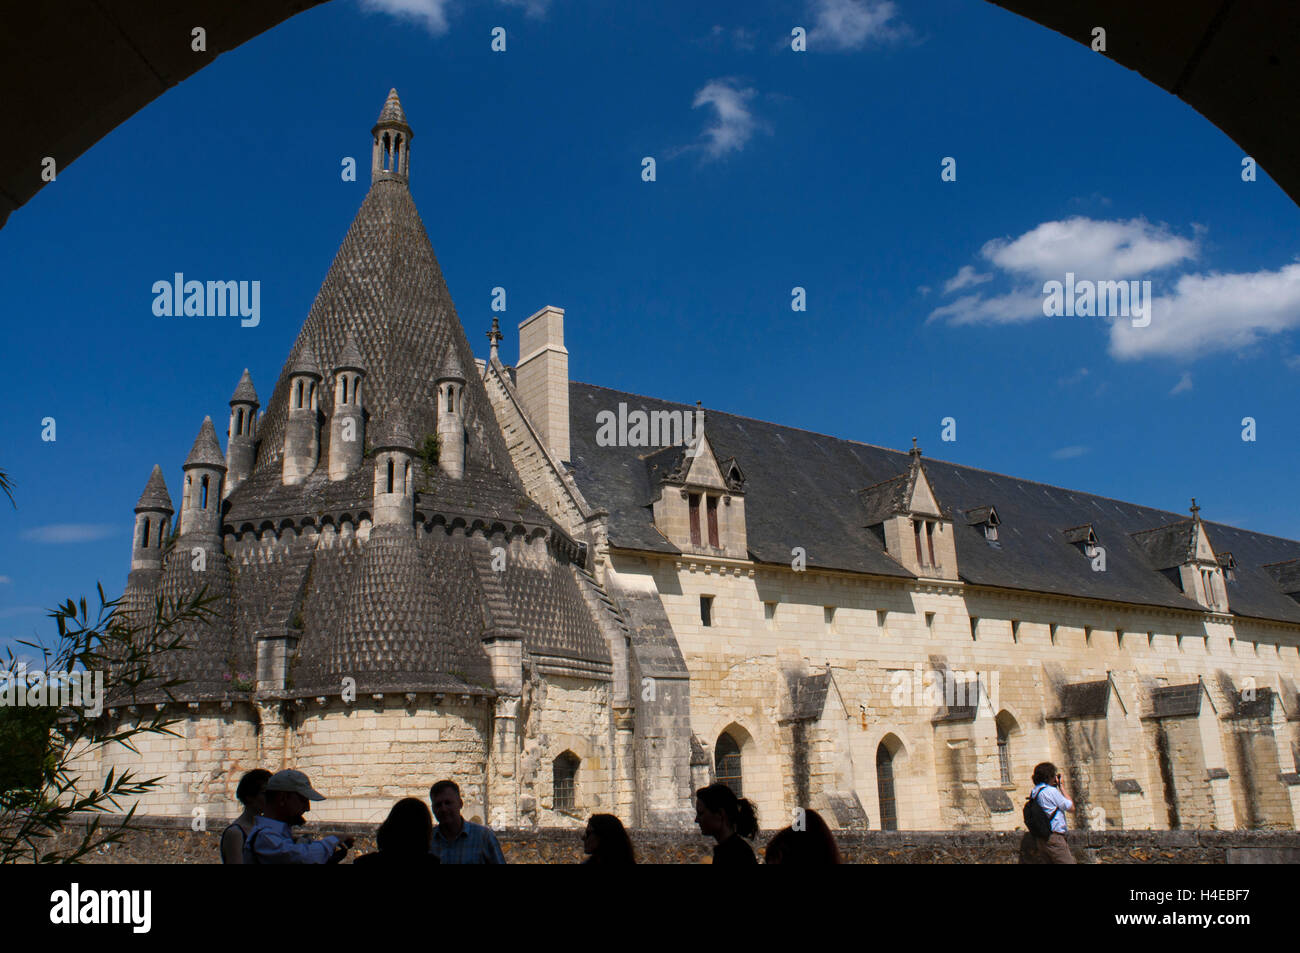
155	496
392	111
1169	546
349	358
804	489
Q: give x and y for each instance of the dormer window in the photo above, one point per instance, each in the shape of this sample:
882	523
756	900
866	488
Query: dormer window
1083	538
985	519
1229	566
712	509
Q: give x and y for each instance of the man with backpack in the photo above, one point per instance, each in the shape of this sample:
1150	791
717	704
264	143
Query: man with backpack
1045	815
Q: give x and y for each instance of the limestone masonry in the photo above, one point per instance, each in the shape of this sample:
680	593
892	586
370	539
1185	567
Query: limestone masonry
429	566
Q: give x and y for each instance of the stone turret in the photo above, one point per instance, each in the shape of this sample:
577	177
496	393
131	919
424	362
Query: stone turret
391	155
152	515
205	470
302	429
394	498
347	423
241	438
451	417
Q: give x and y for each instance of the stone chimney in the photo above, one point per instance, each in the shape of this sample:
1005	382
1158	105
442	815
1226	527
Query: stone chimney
542	377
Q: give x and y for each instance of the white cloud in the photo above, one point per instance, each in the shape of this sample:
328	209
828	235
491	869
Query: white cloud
1009	308
1213	312
1069	453
851	24
1184	384
5	580
1097	250
966	276
433	14
69	532
734	123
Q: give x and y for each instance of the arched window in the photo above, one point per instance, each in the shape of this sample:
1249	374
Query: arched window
564	773
406	478
344	379
298	402
203	494
390	474
1006	727
451	399
144	540
885	786
726	763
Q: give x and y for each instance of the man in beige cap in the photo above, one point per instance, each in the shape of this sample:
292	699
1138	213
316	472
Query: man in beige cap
288	797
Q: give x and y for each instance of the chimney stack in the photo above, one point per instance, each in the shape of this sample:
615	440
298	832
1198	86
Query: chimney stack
542	377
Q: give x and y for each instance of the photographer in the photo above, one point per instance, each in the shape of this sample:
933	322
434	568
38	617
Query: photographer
1048	794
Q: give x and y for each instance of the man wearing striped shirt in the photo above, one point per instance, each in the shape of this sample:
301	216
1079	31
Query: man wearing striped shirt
456	840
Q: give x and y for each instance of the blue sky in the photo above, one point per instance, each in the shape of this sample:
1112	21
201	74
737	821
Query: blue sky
775	169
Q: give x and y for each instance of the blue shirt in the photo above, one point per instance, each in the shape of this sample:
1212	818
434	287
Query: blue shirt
1051	799
272	842
475	844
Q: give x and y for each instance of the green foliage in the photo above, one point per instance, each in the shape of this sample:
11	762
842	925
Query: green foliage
429	450
39	793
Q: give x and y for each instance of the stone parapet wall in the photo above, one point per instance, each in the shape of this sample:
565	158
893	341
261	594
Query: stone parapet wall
161	840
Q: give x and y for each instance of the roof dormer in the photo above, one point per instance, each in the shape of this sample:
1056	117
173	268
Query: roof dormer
699	503
1183	553
985	519
907	518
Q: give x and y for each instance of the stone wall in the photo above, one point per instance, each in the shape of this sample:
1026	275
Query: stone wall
170	841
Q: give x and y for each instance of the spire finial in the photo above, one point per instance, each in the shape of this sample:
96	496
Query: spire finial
391	158
1196	510
915	452
494	338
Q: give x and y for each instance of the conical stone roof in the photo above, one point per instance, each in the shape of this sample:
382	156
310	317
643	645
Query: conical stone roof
385	290
206	451
155	496
350	359
392	111
244	391
305	363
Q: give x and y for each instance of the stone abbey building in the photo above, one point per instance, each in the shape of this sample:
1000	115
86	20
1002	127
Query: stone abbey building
428	565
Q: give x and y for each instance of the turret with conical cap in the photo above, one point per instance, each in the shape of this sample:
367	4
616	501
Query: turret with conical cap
394	493
152	514
347	422
451	417
205	469
241	438
302	429
391	155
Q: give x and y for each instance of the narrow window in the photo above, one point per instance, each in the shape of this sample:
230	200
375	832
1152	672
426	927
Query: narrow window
1119	638
974	628
929	623
929	539
726	763
828	616
406	478
1087	635
706	610
390	474
451	399
713	521
564	777
1015	630
203	494
769	614
1052	632
882	617
916	532
885	788
1004	754
345	388
695	518
145	540
298	400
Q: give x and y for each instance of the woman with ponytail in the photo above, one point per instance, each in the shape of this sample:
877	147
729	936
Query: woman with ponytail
729	820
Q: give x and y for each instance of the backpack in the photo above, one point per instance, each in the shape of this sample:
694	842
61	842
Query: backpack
1036	817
